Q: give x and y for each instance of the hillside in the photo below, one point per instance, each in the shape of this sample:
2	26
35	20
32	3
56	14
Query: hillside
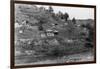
40	32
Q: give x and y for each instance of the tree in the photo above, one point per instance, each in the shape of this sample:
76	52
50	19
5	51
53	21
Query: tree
66	16
90	38
50	9
60	14
74	20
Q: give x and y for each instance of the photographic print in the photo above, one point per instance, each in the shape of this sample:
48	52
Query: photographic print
46	33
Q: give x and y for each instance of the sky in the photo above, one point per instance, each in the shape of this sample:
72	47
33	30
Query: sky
78	13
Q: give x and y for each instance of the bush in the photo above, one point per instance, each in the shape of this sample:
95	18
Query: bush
55	51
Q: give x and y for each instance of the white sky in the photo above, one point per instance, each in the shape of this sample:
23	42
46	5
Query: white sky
78	13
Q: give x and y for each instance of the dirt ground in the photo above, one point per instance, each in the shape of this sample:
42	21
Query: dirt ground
79	57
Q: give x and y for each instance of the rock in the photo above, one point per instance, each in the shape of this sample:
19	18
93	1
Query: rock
43	35
20	31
